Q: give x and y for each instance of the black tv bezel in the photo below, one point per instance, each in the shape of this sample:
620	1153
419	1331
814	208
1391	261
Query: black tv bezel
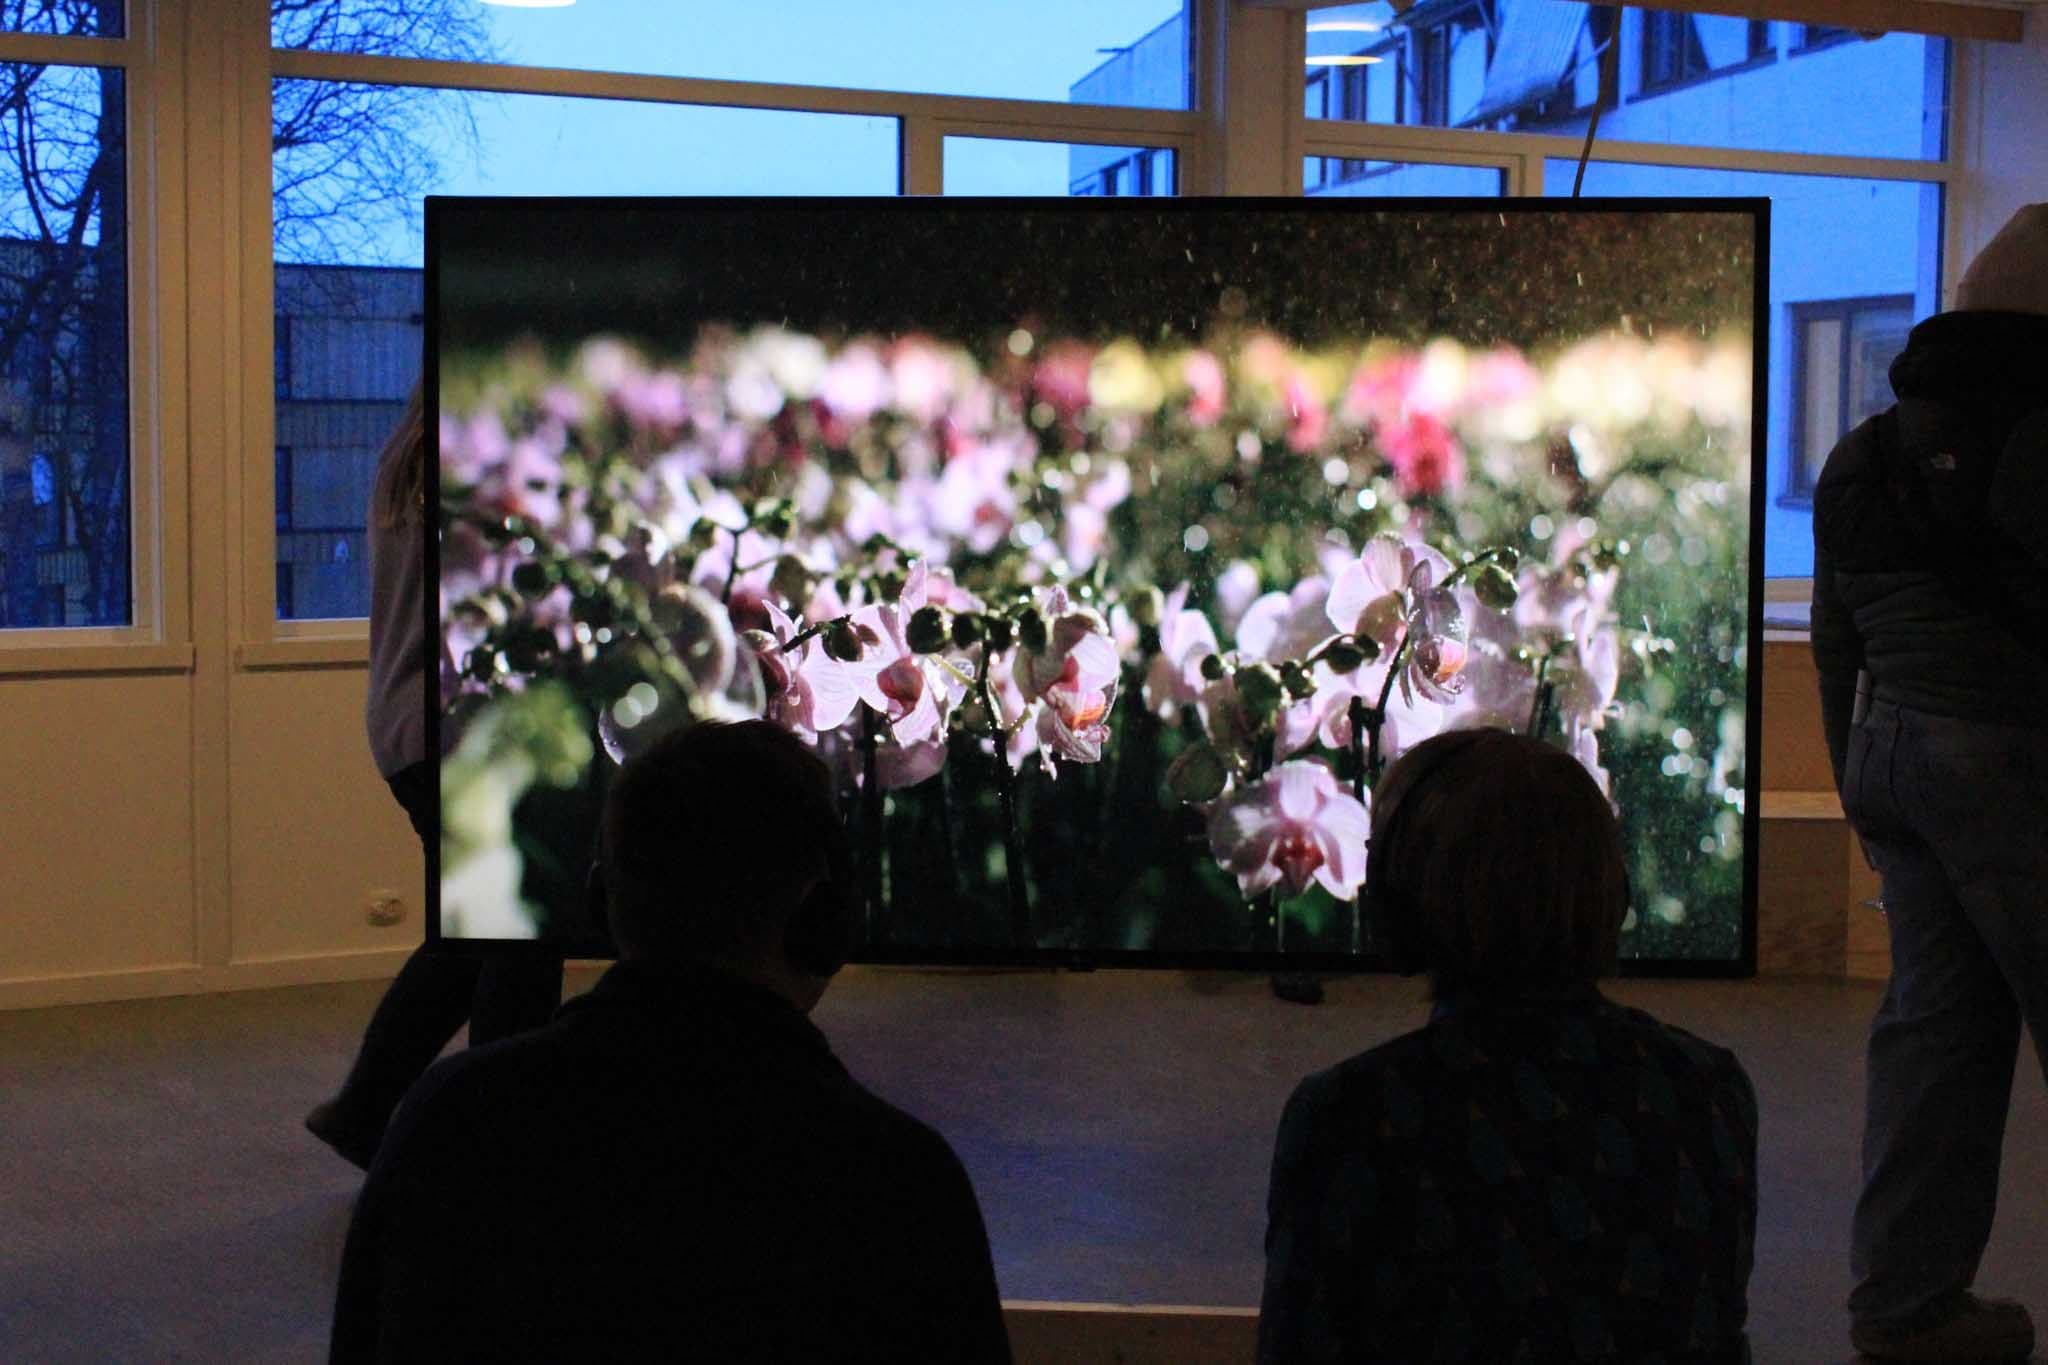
1758	209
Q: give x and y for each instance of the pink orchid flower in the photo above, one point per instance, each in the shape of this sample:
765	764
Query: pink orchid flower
1437	652
1426	457
855	385
1061	376
1372	595
1586	689
973	501
1075	680
1185	638
1287	625
1585	747
905	688
921	376
1379	389
1206	390
471	446
1308	419
1409	718
1294	826
1236	588
808	690
1085	532
906	765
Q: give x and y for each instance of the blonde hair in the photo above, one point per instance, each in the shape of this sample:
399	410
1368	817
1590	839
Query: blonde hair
400	494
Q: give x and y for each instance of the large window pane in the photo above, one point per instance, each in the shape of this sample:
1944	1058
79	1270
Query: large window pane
986	165
1122	52
1841	303
350	166
1352	177
64	475
76	18
1684	79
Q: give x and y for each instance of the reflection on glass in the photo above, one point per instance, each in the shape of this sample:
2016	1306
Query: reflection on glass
985	165
1885	272
1694	80
64	493
351	165
1347	176
1119	52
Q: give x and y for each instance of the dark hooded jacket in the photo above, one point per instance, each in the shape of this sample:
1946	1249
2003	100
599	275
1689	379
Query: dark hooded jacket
1930	530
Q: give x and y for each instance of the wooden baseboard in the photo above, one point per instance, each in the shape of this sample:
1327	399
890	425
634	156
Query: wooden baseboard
1129	1334
187	978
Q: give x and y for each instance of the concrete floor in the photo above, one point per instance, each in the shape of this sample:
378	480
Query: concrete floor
159	1202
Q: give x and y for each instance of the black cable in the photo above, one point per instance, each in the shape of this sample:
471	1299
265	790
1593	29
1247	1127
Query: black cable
1610	83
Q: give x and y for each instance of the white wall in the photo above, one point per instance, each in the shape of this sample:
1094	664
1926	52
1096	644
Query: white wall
2001	123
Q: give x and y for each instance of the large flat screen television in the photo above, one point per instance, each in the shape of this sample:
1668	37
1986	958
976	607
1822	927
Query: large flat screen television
1104	549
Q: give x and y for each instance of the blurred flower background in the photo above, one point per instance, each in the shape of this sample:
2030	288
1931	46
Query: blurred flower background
1103	639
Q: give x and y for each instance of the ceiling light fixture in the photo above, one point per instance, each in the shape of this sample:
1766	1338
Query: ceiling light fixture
1340	60
1344	26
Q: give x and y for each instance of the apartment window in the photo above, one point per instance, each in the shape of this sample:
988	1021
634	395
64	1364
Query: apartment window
1691	80
66	532
1011	166
1813	37
1842	355
1352	177
1679	48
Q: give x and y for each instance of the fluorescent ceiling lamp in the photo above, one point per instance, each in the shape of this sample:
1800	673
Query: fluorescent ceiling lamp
1358	60
1344	26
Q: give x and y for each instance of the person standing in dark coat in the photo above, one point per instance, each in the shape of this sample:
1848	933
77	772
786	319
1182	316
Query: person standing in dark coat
678	1168
1931	585
1540	1174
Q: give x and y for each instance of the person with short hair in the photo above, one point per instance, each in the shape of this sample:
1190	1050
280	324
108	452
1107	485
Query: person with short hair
1930	586
678	1168
1538	1174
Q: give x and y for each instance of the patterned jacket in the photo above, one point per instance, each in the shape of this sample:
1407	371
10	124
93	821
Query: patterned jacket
1517	1182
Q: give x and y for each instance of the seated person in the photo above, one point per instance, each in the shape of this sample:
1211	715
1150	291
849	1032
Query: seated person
678	1168
1539	1174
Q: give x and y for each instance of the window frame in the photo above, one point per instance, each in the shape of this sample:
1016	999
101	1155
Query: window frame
1798	489
158	637
924	121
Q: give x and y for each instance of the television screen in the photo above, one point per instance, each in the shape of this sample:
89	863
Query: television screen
1104	550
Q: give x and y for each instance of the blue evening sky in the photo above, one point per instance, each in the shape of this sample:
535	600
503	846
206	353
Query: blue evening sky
1026	49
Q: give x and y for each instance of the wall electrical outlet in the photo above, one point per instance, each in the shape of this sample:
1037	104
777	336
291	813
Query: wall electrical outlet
384	908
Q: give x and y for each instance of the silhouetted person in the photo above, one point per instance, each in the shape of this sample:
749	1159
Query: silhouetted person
1540	1174
434	994
1930	577
678	1168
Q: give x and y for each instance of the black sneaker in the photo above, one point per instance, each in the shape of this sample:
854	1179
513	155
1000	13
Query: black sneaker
1979	1330
354	1145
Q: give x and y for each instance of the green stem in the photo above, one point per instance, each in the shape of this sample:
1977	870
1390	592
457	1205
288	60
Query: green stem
871	820
1006	795
1539	705
1362	722
732	573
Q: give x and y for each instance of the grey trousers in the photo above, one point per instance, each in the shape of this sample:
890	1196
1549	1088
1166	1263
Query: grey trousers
1954	813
